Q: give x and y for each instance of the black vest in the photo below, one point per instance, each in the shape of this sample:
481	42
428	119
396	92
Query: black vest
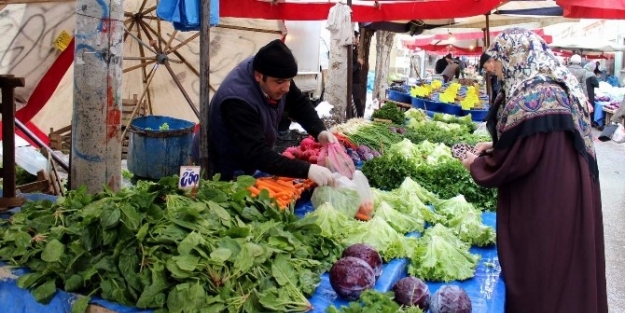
224	156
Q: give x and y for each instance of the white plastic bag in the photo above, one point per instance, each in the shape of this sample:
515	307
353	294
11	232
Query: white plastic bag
619	134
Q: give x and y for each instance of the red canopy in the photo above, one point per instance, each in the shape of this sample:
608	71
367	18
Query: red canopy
599	9
363	11
442	50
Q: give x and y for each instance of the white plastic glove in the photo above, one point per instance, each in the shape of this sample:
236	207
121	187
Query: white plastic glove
325	137
320	175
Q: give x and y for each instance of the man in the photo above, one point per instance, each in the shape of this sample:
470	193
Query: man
450	71
244	116
490	67
442	63
582	74
356	83
592	82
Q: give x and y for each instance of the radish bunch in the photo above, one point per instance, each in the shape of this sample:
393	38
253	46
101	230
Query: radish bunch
308	150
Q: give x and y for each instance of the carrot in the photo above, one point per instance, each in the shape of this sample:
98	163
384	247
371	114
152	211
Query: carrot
362	216
253	190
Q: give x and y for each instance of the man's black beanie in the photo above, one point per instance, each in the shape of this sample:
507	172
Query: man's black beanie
275	60
483	59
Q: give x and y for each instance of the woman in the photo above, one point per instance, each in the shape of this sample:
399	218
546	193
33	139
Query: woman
542	160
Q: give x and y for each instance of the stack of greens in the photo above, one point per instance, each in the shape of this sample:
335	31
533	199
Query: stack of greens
390	111
152	247
432	166
442	128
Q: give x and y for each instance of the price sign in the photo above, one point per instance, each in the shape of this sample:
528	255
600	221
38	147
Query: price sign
62	41
189	177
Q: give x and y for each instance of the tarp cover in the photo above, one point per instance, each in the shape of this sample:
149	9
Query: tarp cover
362	11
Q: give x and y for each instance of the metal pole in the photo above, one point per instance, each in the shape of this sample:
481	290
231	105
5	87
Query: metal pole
204	83
96	120
350	70
41	144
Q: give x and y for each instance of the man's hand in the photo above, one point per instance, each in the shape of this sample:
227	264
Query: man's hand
361	61
325	137
320	175
483	147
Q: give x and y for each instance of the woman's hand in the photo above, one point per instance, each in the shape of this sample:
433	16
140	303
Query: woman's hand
483	147
468	160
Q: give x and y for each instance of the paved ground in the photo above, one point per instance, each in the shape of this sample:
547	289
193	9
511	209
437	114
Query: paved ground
611	158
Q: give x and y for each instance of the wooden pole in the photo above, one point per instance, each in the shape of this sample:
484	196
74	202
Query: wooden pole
204	83
96	120
489	86
8	83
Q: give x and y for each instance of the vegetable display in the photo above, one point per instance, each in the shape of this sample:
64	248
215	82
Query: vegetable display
152	247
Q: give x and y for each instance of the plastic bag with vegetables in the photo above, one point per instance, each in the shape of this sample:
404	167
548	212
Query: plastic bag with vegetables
334	157
344	199
365	211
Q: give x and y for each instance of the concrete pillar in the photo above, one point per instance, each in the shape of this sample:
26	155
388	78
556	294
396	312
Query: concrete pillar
96	120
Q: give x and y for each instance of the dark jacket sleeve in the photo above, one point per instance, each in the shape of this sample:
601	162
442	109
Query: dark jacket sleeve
301	110
592	81
505	165
247	132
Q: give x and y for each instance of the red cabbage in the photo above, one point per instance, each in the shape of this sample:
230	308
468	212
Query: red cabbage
450	299
350	276
411	291
367	254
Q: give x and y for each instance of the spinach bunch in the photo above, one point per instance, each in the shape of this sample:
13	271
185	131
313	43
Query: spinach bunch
153	247
390	111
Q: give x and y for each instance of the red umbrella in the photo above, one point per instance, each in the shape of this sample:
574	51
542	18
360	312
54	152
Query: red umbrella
599	9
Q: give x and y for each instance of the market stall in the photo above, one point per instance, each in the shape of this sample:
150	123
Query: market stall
274	250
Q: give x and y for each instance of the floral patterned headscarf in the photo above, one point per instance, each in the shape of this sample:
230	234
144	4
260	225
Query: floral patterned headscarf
527	62
525	56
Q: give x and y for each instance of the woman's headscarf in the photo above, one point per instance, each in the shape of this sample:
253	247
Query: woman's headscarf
527	61
525	56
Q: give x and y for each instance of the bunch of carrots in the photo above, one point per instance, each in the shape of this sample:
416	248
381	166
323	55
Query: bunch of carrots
283	189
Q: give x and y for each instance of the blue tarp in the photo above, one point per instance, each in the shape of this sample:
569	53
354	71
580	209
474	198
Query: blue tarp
185	14
486	289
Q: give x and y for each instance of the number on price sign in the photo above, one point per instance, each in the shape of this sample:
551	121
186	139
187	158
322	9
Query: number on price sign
189	177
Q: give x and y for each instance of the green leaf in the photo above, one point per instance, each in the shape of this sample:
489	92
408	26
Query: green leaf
219	210
221	254
132	218
186	262
245	181
110	218
176	271
45	292
74	283
143	231
186	298
190	242
23	240
53	251
28	279
153	296
81	304
283	271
